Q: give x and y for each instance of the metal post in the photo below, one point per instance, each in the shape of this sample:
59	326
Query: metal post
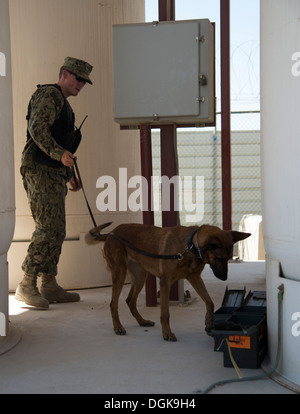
225	115
166	10
168	139
148	215
169	168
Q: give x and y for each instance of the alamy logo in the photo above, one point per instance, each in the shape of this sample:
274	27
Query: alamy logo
184	194
2	64
296	325
296	66
2	324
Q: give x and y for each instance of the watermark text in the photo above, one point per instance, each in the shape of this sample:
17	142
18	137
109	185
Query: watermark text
296	326
2	324
2	64
184	194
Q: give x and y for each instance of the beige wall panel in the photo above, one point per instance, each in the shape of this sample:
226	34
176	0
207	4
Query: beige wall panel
43	33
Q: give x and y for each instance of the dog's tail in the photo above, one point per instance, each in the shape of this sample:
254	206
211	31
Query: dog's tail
94	236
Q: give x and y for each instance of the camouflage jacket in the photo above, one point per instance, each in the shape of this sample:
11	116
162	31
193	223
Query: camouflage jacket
46	105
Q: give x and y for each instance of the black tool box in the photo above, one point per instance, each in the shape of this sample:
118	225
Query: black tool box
243	323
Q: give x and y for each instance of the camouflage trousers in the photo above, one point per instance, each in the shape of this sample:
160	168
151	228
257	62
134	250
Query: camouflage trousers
46	191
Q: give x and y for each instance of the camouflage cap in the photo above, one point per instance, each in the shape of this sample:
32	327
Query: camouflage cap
79	67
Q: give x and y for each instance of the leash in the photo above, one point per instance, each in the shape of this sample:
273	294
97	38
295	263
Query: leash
177	256
76	183
80	180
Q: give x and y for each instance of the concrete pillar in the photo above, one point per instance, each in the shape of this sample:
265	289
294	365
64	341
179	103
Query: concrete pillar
7	188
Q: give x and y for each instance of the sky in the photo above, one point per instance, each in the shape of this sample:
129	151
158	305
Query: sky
244	41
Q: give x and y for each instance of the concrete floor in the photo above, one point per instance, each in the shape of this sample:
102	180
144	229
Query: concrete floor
72	349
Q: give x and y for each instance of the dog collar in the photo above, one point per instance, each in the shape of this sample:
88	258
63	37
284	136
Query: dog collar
178	256
191	247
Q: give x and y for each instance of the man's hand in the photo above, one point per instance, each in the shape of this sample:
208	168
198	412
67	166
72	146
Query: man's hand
68	159
75	185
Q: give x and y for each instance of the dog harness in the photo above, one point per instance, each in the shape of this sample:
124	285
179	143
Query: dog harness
178	256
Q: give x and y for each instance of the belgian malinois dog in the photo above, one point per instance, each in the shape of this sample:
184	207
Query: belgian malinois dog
169	253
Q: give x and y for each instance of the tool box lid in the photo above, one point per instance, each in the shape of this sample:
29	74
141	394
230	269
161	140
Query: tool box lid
255	302
232	301
233	298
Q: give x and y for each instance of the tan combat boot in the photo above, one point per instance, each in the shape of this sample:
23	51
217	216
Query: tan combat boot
51	291
27	292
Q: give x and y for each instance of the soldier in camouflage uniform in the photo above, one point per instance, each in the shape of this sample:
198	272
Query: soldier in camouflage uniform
47	158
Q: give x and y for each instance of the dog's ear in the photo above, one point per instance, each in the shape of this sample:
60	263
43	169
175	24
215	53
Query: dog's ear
238	235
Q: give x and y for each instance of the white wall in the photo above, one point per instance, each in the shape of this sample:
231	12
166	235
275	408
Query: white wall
280	153
280	124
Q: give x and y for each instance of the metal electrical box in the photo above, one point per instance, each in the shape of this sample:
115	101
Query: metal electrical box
164	72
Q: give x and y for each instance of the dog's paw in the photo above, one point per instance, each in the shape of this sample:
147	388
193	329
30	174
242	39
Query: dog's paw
209	331
147	323
120	331
169	337
209	322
